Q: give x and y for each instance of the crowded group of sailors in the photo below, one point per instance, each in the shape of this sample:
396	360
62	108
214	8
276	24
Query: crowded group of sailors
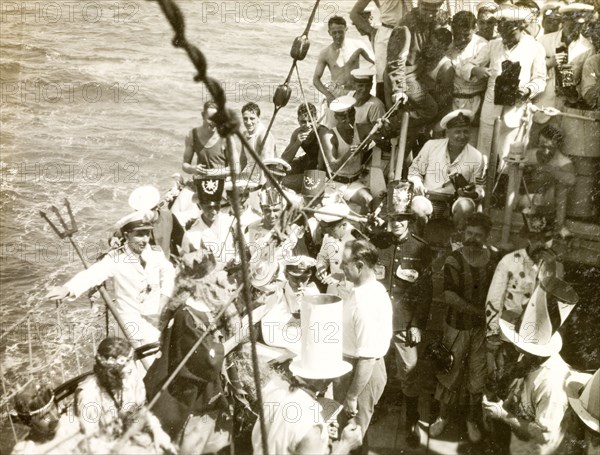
341	259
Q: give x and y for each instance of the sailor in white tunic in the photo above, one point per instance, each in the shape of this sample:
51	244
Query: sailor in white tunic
214	229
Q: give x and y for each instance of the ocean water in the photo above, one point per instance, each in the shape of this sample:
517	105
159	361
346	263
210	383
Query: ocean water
95	101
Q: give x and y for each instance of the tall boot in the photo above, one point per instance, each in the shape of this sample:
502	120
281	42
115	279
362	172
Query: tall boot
413	434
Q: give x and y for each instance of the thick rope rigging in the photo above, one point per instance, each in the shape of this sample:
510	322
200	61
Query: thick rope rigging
228	124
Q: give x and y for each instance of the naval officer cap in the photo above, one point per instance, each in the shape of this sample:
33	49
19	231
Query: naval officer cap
457	118
580	12
140	220
342	104
300	266
335	212
363	74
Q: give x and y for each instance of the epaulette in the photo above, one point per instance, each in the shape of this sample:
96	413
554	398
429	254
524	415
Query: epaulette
156	248
420	239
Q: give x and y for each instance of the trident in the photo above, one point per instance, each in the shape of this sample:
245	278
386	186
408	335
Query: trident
68	232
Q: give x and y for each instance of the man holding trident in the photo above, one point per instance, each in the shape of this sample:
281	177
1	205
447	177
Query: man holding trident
143	279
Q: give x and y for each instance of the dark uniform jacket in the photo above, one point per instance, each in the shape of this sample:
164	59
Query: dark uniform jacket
197	388
410	301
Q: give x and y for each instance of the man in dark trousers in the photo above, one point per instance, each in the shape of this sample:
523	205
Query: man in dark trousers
404	268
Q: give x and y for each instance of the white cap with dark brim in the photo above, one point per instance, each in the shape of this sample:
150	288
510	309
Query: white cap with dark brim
454	114
136	221
278	162
551	7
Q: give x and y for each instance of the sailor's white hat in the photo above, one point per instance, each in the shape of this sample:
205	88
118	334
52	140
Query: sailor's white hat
335	212
144	198
363	73
551	7
487	5
577	11
342	104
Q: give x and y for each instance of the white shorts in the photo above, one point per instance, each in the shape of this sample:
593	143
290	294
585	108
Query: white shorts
380	46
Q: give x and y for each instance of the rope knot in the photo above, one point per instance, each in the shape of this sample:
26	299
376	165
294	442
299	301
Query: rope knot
227	122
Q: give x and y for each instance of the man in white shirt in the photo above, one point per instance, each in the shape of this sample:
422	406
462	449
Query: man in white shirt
567	46
440	160
513	45
536	405
143	279
214	229
367	332
465	46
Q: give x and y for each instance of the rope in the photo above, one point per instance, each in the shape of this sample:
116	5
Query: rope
139	424
359	149
314	125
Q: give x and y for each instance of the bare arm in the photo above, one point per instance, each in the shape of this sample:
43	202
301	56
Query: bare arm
292	149
188	156
319	70
362	375
361	24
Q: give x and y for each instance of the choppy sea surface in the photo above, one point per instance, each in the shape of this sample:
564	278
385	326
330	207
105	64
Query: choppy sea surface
95	101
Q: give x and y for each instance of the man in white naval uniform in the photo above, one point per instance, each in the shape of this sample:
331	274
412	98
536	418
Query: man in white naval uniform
143	279
336	232
213	230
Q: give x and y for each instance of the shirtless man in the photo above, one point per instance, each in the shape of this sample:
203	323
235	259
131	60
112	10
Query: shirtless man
205	143
304	137
344	140
208	147
340	57
255	133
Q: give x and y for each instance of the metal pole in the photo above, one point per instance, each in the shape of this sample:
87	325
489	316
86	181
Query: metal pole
514	179
492	166
401	146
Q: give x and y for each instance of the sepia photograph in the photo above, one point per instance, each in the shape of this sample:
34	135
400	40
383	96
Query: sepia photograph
300	227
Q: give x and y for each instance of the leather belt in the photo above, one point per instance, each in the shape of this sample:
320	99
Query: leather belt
387	26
